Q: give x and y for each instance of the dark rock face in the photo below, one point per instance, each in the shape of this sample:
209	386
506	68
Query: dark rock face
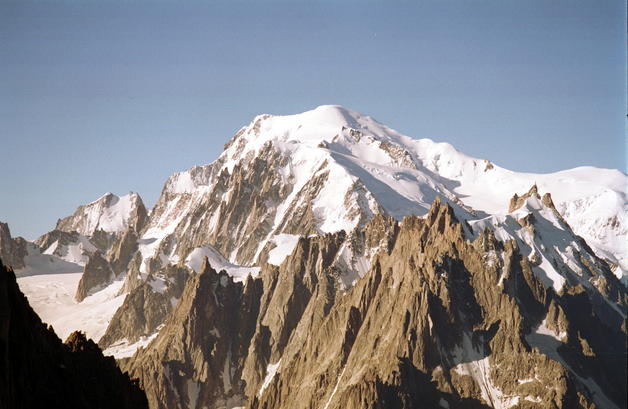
145	309
38	371
64	238
439	320
96	274
12	250
197	357
122	251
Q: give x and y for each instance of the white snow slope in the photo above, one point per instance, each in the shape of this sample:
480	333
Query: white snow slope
373	168
52	297
109	213
218	262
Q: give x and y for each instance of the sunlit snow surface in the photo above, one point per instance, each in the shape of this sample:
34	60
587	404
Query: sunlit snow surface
271	371
378	169
218	262
52	297
285	245
109	213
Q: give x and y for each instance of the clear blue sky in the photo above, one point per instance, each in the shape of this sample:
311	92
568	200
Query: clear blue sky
116	96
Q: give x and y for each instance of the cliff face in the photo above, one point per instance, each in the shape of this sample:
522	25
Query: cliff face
440	319
13	250
96	274
146	307
197	358
37	370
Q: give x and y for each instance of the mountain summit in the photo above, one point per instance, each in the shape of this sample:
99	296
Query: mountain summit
110	213
333	168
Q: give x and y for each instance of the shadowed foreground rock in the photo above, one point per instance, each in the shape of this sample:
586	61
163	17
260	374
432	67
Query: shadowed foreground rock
37	370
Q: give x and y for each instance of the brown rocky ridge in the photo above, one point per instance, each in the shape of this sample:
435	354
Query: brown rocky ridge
441	319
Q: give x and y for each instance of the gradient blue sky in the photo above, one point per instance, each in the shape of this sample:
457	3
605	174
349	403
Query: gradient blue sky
116	96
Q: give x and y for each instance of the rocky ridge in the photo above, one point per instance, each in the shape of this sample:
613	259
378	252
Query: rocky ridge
12	250
438	318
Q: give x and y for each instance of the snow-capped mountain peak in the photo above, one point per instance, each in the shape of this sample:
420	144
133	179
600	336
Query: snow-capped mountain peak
327	126
110	213
332	168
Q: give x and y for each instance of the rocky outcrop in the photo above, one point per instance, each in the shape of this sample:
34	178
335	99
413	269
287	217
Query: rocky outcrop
122	251
100	269
196	360
38	371
439	319
12	250
72	246
96	274
517	201
146	307
63	238
434	323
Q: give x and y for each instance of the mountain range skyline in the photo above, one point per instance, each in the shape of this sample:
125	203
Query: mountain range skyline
331	204
326	243
116	96
150	202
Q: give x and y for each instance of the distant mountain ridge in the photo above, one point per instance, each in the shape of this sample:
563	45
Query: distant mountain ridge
110	214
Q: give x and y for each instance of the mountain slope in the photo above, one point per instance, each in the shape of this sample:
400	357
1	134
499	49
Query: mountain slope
329	169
